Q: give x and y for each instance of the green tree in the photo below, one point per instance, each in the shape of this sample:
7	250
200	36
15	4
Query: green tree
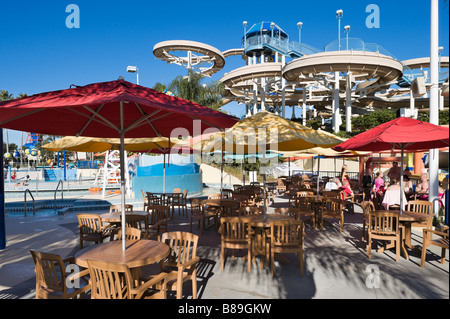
5	95
192	88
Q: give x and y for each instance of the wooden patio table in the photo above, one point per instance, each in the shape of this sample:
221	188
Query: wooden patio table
116	217
138	253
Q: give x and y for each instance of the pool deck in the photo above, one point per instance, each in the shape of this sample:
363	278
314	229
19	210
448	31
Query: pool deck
336	265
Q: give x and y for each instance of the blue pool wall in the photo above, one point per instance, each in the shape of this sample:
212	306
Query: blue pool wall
150	178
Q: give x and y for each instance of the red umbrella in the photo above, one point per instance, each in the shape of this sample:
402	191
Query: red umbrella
110	109
401	134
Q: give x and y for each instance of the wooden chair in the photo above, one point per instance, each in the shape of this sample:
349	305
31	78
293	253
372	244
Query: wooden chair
118	208
92	229
287	211
287	236
420	206
158	222
154	199
367	207
333	194
52	278
197	213
176	190
177	201
137	221
131	233
230	208
251	210
332	208
281	186
181	264
235	233
306	206
442	241
244	199
384	226
115	281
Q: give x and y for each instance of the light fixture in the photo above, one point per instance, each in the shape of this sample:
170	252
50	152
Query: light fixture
134	69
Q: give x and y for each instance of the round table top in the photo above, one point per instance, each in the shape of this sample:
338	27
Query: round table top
115	217
138	253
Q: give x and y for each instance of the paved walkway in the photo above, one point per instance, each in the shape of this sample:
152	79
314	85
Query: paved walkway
336	265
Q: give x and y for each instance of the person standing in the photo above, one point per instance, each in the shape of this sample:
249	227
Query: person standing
395	172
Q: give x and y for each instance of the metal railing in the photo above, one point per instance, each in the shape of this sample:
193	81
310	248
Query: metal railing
25	202
62	191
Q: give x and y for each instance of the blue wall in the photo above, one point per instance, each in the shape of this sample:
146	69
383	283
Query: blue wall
150	178
172	169
154	184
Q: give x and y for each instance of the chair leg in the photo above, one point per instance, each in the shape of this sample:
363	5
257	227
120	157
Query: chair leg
272	257
443	256
424	255
180	285
194	283
369	247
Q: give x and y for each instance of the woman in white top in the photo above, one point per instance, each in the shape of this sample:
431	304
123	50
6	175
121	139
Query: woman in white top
392	195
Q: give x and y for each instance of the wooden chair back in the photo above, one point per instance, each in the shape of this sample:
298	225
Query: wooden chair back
235	229
183	248
382	223
176	190
333	194
118	208
420	206
136	221
367	207
131	233
287	233
89	223
304	193
332	206
144	200
196	206
154	199
50	272
110	281
230	208
305	203
158	214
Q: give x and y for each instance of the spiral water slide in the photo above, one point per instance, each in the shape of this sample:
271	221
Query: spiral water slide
400	97
201	57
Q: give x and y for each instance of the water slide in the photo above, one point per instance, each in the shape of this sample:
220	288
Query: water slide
201	57
378	80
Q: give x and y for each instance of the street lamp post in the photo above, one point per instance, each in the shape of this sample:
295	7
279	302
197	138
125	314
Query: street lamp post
300	25
347	31
134	69
339	14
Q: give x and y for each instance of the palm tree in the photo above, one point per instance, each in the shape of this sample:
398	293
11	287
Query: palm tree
160	87
5	96
191	88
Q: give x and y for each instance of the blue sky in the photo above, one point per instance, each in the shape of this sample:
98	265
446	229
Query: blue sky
39	53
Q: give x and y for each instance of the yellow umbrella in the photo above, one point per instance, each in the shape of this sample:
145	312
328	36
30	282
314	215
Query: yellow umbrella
91	144
265	131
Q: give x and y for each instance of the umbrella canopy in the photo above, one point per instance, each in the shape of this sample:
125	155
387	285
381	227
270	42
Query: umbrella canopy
95	110
264	131
92	144
115	109
404	134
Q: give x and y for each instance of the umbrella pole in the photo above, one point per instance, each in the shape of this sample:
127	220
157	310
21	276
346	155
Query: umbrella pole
122	175
164	174
264	183
401	181
221	175
318	173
